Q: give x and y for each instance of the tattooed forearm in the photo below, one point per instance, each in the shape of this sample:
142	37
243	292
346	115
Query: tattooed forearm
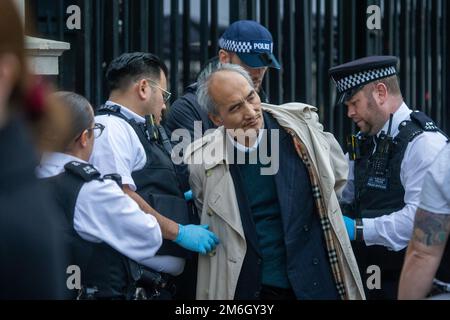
431	229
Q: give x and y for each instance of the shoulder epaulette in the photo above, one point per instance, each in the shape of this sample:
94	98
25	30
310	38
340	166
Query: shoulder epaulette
425	122
83	170
113	108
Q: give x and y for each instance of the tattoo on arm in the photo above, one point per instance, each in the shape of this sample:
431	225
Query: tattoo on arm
431	229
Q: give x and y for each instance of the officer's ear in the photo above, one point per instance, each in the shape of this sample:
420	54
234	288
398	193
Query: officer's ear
84	138
224	56
143	89
381	92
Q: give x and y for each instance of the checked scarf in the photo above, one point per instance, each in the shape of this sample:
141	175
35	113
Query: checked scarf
322	210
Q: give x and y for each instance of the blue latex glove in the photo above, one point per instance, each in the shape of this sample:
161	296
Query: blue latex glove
350	225
196	238
188	196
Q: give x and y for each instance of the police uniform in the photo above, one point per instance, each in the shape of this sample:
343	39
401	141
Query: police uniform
386	173
107	232
435	198
133	148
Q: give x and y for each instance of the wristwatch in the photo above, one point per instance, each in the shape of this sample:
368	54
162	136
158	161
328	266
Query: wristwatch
359	230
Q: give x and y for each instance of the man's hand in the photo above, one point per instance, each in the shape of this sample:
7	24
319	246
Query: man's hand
350	225
196	238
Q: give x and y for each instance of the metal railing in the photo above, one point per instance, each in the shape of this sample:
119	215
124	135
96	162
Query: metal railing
310	36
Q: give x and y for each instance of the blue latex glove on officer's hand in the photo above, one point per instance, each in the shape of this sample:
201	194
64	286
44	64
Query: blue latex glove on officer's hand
196	238
188	196
350	225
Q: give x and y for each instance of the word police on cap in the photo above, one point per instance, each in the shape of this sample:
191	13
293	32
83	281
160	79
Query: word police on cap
262	46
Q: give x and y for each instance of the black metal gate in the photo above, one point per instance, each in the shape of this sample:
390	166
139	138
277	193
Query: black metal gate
310	36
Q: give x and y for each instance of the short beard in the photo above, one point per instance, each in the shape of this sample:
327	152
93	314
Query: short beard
374	128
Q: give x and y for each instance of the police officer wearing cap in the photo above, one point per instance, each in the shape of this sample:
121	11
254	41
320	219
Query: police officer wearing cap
134	145
107	232
245	43
388	160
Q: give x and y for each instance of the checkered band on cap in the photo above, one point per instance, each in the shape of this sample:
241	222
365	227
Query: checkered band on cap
236	46
358	79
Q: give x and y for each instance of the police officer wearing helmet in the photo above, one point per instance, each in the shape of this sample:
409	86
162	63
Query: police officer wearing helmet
135	146
107	232
389	157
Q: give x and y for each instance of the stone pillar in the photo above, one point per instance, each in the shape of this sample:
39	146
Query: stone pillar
43	54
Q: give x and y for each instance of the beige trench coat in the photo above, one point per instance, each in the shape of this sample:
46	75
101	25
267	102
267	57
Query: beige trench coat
215	197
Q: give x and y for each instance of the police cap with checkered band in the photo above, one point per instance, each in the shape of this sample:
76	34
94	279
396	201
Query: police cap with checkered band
251	42
352	76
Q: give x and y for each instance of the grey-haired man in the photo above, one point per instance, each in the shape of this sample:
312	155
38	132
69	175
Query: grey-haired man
282	233
245	43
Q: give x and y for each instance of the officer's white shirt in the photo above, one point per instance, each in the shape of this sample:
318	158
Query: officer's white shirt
435	195
104	213
394	230
119	150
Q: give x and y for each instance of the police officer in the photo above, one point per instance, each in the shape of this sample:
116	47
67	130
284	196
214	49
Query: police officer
132	146
107	232
428	254
245	43
389	158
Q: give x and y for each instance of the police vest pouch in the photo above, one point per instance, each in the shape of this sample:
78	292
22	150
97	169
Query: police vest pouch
176	209
172	207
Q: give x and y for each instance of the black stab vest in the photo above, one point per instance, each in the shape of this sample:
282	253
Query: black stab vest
157	182
102	268
372	202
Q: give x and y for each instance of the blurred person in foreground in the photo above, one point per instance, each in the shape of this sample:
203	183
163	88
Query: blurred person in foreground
32	254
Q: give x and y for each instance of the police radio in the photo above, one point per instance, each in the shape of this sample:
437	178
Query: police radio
156	132
152	132
354	143
378	170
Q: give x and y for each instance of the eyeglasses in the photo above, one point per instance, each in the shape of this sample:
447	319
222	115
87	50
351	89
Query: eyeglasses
97	130
166	94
